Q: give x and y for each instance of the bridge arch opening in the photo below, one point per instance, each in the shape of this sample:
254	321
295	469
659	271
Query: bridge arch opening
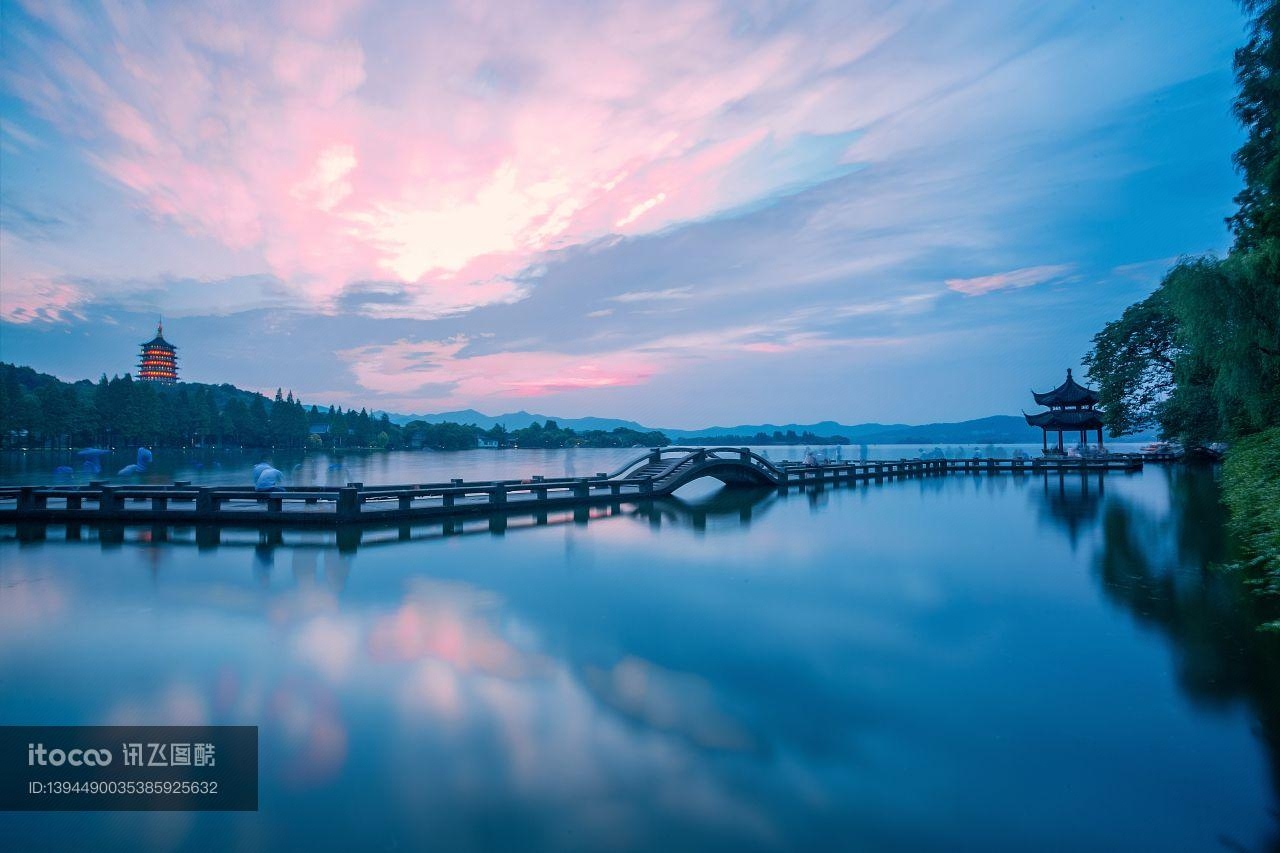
729	474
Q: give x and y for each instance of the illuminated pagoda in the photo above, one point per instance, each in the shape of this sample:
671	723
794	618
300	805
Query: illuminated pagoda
1071	409
159	360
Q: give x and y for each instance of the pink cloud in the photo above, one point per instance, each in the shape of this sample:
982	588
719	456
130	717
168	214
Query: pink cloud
1025	277
31	291
419	373
408	368
448	151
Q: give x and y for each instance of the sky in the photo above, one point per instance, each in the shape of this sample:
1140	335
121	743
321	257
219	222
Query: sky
684	214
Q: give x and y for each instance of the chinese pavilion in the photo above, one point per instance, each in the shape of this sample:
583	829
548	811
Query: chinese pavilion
1071	409
159	360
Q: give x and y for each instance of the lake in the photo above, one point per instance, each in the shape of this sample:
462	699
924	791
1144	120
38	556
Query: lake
1004	663
235	466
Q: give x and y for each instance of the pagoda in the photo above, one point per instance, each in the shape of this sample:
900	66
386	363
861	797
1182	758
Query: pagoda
1071	409
159	359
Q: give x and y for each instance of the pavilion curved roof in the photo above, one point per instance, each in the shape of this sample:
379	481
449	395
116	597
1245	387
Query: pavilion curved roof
1069	393
1066	419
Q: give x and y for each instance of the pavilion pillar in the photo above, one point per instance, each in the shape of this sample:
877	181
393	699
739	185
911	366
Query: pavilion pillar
1060	441
1083	439
1099	438
1044	443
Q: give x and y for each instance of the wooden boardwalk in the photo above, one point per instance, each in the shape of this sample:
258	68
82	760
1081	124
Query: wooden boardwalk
657	473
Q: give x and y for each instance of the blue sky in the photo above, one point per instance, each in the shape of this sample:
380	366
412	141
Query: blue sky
682	214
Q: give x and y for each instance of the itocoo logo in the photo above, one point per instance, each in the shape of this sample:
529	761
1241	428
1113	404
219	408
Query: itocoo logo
37	754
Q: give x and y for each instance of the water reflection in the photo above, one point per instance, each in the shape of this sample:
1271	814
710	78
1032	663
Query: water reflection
851	666
1072	501
1161	562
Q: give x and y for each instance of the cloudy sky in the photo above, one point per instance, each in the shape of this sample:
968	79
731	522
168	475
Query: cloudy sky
684	213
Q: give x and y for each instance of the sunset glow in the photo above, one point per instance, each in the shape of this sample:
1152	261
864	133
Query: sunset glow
566	198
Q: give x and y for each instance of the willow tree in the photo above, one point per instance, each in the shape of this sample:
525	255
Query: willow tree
1200	357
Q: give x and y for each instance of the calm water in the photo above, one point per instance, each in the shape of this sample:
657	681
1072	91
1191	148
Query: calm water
234	467
953	663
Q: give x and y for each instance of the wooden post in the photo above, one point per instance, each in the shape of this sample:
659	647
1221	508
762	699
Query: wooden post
73	502
406	502
498	495
109	501
348	503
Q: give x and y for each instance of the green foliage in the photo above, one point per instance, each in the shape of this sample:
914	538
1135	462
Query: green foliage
1251	489
38	410
445	436
1201	355
551	435
1132	363
1257	106
1228	315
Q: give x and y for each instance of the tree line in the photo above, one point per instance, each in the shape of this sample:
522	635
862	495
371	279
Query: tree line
41	411
1200	357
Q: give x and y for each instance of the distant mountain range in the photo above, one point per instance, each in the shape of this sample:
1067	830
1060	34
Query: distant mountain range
517	420
997	429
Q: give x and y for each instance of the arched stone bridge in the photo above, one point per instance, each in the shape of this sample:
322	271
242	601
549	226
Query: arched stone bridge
667	469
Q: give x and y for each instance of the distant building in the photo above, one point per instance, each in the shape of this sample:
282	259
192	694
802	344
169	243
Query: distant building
159	359
481	441
1071	409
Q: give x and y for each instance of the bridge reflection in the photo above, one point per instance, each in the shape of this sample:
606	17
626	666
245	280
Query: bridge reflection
737	506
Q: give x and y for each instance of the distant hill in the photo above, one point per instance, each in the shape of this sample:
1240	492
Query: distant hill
826	429
996	429
516	420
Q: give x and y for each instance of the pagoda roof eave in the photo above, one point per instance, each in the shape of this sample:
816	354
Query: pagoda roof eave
1066	419
1069	393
